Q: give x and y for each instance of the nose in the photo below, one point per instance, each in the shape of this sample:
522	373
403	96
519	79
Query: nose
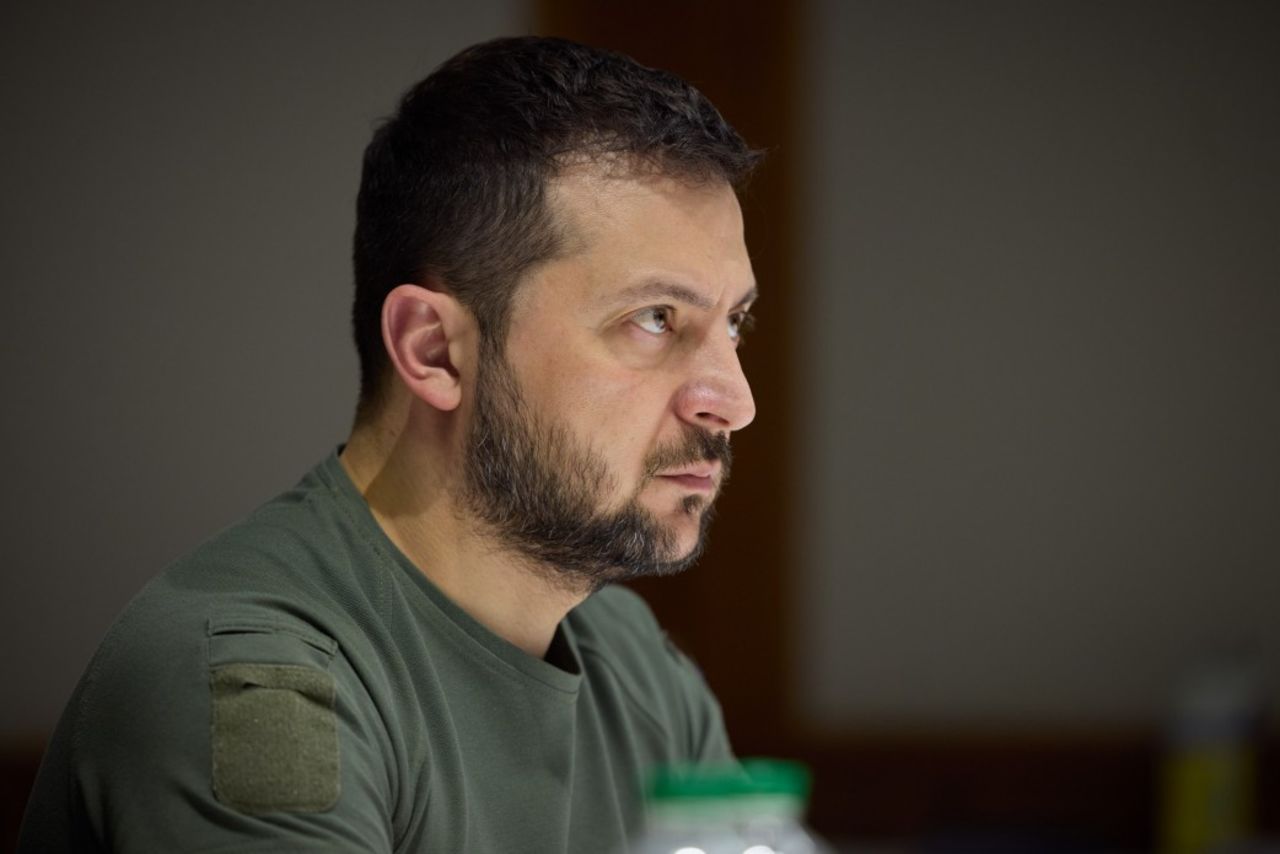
717	396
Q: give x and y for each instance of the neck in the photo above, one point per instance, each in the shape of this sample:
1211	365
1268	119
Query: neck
408	466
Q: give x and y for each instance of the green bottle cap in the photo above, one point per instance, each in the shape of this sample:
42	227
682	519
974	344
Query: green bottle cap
776	777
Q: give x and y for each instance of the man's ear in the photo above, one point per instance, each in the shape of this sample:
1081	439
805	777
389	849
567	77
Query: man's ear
422	330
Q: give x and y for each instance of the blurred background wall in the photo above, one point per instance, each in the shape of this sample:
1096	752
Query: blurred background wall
1014	470
1040	362
1040	373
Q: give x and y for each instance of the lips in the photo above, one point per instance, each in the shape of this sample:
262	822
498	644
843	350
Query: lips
702	470
700	478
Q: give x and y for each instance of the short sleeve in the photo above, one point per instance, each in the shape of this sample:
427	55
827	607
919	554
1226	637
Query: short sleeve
240	730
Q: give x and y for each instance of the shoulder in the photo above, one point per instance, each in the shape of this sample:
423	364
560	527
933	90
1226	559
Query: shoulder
269	590
302	554
295	583
206	702
227	688
157	663
266	575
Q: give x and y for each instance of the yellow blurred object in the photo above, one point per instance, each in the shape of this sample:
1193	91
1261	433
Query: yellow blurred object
1208	798
1210	774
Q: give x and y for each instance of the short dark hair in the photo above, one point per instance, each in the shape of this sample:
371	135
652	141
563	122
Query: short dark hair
453	185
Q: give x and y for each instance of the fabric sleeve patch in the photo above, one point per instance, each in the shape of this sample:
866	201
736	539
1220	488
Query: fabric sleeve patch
275	738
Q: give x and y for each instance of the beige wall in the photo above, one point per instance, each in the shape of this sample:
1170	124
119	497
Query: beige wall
1043	370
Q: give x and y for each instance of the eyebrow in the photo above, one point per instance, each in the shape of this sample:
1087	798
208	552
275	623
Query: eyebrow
673	290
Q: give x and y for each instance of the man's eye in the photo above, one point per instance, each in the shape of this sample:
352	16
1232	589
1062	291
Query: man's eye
740	323
656	320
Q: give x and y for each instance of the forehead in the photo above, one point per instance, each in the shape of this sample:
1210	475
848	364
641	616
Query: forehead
621	230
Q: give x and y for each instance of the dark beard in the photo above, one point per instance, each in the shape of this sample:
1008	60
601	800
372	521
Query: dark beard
538	491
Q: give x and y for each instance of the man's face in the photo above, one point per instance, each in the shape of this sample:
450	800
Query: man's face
599	439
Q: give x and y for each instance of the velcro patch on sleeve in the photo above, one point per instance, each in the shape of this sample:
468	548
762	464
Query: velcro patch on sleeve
275	737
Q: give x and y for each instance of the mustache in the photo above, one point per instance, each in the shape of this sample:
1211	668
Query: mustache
696	446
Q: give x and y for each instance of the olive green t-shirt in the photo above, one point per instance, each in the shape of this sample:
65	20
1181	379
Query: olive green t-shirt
296	684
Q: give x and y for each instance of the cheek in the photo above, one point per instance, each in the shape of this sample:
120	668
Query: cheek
625	397
602	391
621	415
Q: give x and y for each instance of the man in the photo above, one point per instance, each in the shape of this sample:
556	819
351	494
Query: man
418	647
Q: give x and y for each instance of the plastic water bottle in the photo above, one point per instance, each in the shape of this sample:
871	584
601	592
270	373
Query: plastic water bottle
754	808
